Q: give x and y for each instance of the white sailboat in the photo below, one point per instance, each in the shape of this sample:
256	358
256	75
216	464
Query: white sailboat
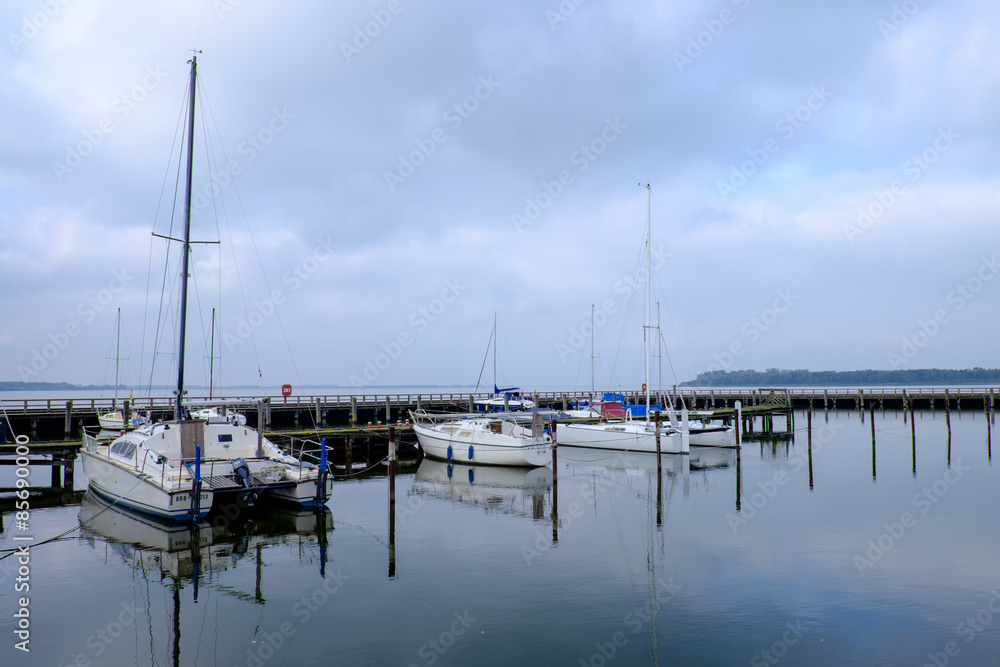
632	435
506	399
174	469
481	439
114	419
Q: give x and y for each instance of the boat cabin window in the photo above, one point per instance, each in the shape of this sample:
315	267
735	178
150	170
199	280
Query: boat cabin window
225	437
124	448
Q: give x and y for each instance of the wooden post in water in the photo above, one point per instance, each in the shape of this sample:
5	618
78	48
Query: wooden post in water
392	465
319	411
913	437
392	502
321	476
420	402
260	430
555	485
989	435
354	410
738	422
872	415
70	460
68	425
809	445
947	420
739	474
56	481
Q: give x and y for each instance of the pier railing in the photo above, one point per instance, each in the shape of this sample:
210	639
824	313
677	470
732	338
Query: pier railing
704	397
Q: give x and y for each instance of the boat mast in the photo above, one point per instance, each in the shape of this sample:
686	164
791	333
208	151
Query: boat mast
649	291
211	358
591	354
495	353
118	350
659	352
187	239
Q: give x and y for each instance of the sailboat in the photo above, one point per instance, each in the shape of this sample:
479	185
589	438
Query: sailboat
482	439
114	419
642	436
174	469
505	399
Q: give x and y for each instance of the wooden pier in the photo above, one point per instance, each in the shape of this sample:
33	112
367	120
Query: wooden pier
53	419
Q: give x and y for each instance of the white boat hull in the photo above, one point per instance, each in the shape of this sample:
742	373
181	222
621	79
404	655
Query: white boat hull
150	476
469	445
622	436
123	486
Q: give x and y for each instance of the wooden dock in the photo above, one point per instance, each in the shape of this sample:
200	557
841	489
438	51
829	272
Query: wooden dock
52	419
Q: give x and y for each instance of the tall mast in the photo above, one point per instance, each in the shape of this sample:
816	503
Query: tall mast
649	291
494	352
118	350
591	354
211	358
187	239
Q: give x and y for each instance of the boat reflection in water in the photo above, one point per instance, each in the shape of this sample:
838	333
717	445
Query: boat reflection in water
700	458
501	489
672	466
186	551
223	554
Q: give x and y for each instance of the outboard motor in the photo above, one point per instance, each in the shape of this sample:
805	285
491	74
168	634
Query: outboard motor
243	472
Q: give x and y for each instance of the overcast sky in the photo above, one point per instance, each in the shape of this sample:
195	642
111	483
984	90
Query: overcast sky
392	173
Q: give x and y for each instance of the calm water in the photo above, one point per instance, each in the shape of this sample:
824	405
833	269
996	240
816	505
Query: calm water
890	568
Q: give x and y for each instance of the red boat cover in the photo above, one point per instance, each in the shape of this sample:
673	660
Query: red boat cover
612	410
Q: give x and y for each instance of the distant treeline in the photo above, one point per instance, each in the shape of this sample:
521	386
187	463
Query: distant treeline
52	386
782	378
